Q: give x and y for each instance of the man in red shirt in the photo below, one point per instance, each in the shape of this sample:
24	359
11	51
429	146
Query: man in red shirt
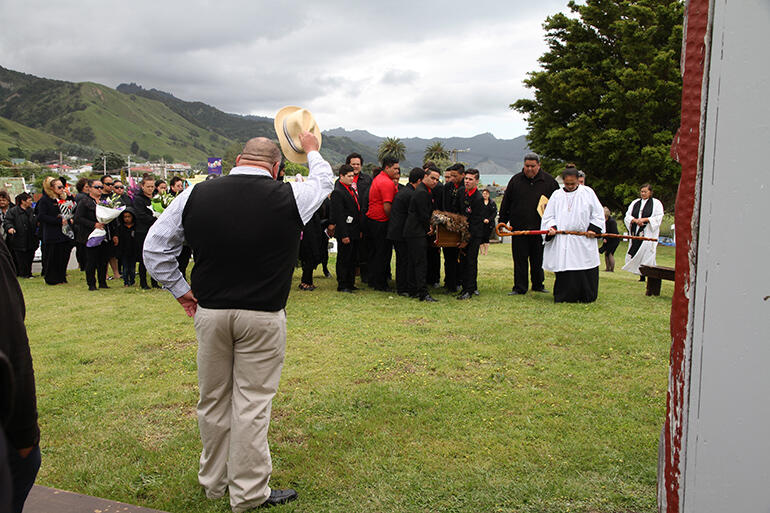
381	194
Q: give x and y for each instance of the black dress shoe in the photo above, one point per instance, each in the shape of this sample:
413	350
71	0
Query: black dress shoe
544	290
103	286
516	293
354	288
279	497
465	295
92	287
428	298
403	294
345	290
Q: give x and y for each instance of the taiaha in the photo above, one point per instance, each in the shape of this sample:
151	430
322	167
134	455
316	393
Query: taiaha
503	230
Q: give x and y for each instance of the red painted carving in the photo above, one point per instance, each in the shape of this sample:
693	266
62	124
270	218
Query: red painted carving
686	150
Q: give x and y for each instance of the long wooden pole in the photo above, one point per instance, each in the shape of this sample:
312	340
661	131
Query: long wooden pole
503	230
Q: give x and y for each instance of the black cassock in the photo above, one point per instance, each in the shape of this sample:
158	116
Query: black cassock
576	286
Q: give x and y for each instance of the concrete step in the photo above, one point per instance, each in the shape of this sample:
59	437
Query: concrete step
50	500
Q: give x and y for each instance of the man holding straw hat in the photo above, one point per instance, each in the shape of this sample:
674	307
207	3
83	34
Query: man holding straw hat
244	230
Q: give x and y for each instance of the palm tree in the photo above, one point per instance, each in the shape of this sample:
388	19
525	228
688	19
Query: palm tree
434	152
391	147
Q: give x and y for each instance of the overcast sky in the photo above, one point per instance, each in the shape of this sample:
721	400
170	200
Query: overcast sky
395	68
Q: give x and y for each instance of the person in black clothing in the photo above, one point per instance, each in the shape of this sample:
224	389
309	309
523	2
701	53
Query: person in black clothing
20	433
323	212
96	256
58	246
416	229
176	187
490	215
398	213
128	247
119	190
361	184
610	244
433	273
144	219
19	225
519	210
345	223
452	191
310	250
472	207
83	187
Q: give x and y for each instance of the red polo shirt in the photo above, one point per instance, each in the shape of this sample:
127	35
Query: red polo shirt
382	190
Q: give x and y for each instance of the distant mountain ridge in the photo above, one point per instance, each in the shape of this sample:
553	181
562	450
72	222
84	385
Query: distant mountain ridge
487	153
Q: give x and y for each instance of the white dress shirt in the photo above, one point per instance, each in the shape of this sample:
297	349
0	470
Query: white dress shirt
165	238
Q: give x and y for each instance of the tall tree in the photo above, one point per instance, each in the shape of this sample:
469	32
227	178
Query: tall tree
608	95
391	146
113	162
435	152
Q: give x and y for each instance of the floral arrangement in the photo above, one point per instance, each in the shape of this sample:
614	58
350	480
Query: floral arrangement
105	215
160	201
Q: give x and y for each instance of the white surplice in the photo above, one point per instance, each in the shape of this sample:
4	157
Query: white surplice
646	253
572	211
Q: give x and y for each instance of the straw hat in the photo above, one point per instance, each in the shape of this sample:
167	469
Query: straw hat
289	123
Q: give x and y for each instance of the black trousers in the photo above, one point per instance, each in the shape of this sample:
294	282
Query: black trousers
23	473
347	256
142	268
184	259
80	255
55	261
434	263
381	250
451	266
403	263
527	249
576	286
24	262
418	266
471	265
307	271
96	265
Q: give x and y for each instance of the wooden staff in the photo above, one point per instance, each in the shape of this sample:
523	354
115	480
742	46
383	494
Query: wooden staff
510	232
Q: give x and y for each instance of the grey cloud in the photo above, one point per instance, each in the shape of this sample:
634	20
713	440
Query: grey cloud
399	77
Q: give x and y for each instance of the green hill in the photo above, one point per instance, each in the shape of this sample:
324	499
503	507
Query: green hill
149	123
16	135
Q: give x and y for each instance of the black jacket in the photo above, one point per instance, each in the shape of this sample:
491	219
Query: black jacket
128	243
85	219
342	208
25	223
519	205
363	185
474	209
420	209
143	211
21	426
49	217
450	198
437	194
398	213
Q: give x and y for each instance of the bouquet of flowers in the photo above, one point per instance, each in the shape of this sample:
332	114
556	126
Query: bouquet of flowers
105	215
114	201
159	203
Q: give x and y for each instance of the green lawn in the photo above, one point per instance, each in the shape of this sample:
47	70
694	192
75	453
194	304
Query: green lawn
386	404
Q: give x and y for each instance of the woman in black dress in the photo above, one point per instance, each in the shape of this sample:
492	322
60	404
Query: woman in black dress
611	244
490	215
54	229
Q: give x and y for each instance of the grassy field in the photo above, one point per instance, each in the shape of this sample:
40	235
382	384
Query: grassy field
386	404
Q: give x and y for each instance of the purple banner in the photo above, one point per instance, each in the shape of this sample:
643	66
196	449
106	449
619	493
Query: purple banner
215	166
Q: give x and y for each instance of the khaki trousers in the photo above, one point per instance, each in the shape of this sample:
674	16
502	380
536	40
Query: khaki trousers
240	356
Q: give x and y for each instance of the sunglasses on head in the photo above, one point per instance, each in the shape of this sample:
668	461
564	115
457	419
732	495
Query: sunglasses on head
97	186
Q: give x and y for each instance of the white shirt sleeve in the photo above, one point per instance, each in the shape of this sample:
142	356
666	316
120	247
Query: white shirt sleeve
656	219
164	243
317	186
629	217
597	212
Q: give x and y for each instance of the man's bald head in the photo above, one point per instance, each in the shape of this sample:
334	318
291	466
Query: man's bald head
259	151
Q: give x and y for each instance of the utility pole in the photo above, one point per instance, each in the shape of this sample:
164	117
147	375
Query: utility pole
455	151
104	161
129	165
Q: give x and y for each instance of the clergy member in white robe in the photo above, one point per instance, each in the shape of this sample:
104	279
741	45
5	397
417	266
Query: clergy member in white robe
573	258
643	218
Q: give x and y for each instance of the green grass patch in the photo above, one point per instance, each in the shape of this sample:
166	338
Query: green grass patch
500	403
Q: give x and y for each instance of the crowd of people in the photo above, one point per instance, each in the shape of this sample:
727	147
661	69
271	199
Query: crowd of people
60	221
372	218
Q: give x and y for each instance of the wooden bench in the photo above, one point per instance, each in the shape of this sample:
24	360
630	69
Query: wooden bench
655	274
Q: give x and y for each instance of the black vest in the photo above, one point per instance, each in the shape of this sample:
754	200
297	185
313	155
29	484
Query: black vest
244	231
